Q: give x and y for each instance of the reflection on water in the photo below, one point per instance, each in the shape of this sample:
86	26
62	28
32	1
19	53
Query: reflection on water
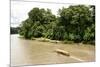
32	52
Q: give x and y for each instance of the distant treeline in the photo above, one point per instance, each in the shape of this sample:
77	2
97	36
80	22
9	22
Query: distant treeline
14	30
75	23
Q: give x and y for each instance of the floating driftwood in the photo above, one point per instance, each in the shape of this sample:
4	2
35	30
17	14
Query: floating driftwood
59	51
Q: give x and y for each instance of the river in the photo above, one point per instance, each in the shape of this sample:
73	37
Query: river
33	52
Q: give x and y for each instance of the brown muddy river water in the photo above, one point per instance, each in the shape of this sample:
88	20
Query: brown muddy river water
33	52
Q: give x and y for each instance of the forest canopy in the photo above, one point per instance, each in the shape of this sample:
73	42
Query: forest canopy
75	23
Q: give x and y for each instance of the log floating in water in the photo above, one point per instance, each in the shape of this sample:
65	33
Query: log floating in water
59	51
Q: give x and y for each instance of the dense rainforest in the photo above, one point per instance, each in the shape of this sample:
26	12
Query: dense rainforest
75	23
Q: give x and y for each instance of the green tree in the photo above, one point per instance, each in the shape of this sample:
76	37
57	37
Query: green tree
37	23
14	30
75	23
25	29
76	19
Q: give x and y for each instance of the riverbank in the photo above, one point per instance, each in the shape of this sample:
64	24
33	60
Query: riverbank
41	39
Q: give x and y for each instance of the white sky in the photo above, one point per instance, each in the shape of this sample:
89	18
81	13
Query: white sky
19	9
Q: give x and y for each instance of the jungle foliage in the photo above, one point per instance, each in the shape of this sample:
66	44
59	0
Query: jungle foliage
14	30
75	23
